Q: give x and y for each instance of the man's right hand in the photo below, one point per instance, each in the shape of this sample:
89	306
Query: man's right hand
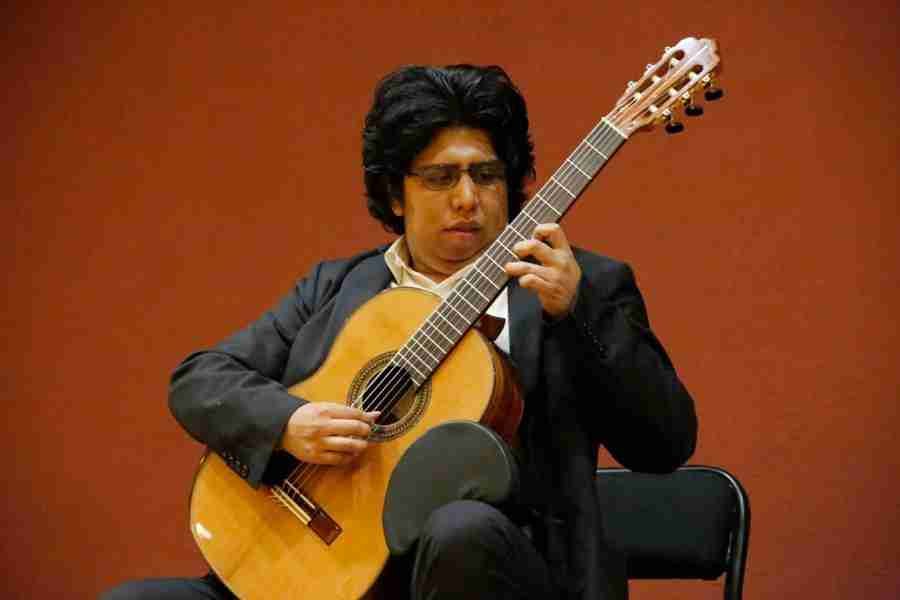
327	433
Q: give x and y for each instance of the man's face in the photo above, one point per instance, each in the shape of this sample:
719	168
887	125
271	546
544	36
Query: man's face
448	229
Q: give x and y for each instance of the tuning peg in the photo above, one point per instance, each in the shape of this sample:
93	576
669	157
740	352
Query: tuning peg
672	126
692	110
713	93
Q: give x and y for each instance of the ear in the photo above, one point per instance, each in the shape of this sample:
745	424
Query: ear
395	191
397	207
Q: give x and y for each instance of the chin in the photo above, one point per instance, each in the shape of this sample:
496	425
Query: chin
459	259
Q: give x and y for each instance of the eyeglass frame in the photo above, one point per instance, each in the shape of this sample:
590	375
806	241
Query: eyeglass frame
457	171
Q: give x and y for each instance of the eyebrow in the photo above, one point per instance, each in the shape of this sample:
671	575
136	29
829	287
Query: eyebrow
494	161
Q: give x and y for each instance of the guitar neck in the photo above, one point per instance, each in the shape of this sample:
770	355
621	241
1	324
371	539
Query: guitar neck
472	296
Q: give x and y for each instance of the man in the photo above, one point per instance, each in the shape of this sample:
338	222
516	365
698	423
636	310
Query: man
447	153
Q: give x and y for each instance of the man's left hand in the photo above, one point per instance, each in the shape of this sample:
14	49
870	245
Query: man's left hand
555	279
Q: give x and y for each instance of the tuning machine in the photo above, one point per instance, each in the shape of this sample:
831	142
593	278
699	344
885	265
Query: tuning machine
672	126
713	92
690	109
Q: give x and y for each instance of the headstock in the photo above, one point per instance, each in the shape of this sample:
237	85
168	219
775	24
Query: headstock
667	85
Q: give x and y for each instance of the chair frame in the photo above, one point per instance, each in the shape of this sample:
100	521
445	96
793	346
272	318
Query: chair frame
738	545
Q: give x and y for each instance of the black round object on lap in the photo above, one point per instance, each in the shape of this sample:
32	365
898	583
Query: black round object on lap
457	460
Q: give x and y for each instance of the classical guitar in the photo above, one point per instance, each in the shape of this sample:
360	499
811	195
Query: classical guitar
317	533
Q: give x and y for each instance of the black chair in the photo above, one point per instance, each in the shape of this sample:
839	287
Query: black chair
691	524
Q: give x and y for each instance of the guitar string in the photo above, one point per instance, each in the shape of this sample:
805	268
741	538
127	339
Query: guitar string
568	173
563	175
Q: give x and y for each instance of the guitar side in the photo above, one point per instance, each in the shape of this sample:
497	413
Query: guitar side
259	548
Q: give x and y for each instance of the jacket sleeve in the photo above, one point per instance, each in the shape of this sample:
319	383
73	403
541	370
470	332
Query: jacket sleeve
230	397
631	396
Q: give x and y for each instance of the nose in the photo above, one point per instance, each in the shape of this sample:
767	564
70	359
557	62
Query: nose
465	194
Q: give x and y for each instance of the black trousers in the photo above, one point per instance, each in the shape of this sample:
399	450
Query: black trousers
468	550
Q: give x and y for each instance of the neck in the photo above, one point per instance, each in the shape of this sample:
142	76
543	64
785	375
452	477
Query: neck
423	269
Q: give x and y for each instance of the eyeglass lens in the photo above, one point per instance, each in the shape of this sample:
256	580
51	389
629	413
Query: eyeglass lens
443	177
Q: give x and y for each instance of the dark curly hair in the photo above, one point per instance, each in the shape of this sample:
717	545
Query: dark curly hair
413	103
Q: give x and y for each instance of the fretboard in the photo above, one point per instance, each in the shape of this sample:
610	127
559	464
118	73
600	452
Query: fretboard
471	297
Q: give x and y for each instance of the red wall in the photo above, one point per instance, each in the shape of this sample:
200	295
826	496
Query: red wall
174	168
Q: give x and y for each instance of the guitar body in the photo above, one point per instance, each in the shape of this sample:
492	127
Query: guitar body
260	549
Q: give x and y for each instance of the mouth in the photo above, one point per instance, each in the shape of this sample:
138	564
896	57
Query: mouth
463	227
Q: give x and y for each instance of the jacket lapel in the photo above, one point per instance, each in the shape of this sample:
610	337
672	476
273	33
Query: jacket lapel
316	338
524	335
363	282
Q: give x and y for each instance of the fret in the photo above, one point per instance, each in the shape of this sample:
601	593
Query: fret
502	245
410	365
416	360
577	168
436	344
565	189
486	278
496	264
415	339
458	332
466	300
428	365
606	122
591	146
438	329
475	289
516	231
453	308
527	216
550	206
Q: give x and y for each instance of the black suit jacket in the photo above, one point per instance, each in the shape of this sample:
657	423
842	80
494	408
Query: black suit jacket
599	376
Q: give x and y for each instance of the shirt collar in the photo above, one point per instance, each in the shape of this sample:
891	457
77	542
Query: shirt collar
398	260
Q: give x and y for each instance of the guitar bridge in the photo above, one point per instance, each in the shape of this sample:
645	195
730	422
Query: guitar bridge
310	514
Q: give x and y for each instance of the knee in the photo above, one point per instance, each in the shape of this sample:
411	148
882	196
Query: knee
464	526
463	552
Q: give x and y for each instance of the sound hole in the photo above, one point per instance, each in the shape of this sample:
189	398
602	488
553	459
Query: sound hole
390	392
389	388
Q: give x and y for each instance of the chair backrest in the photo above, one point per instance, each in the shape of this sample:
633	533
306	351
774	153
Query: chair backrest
690	524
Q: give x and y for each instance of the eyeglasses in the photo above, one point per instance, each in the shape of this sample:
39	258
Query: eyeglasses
444	177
